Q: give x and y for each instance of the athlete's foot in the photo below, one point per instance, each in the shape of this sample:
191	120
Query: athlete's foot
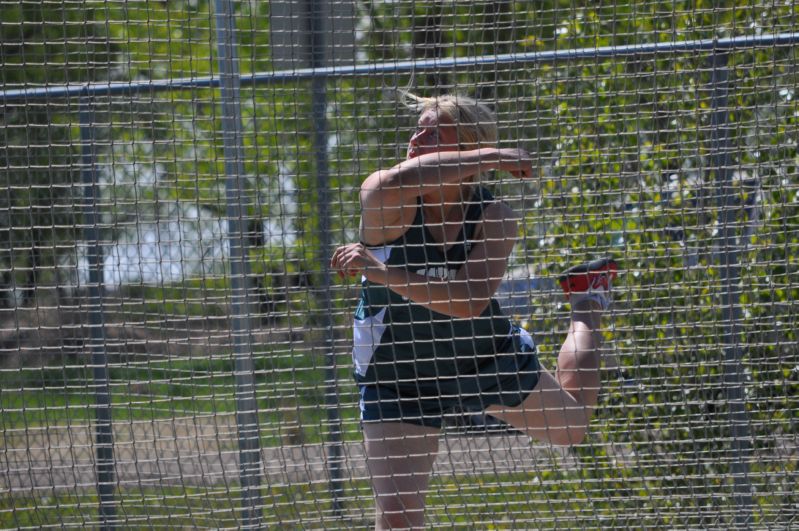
587	287
590	281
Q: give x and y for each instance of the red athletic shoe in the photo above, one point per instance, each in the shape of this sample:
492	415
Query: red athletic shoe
590	281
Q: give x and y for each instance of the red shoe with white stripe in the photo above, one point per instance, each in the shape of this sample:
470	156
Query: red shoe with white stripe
590	281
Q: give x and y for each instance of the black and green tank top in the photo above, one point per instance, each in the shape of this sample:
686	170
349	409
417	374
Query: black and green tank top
403	344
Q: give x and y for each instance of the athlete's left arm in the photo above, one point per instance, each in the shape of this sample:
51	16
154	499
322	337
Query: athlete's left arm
487	262
467	294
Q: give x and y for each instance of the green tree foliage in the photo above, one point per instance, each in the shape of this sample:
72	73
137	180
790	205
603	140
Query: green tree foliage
42	45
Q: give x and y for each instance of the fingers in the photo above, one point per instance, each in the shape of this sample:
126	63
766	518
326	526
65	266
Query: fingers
517	162
525	164
335	260
523	171
346	260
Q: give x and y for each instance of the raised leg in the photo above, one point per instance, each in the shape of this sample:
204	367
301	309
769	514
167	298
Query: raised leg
559	409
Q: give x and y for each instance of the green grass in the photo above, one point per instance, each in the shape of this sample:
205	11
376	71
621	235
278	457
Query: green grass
288	399
649	492
553	499
170	508
518	501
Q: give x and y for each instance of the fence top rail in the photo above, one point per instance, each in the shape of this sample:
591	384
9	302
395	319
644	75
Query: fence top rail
88	90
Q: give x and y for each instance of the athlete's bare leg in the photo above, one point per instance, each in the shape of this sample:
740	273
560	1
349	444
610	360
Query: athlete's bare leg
400	458
559	409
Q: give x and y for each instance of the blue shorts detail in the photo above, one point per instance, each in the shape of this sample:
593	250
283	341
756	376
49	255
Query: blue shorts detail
506	381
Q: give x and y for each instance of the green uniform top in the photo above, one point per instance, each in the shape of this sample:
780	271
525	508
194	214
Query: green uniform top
409	347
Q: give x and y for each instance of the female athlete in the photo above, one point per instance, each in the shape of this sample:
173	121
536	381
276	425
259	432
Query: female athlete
430	339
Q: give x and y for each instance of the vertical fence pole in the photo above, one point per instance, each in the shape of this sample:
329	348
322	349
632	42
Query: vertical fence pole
103	429
730	270
241	305
319	112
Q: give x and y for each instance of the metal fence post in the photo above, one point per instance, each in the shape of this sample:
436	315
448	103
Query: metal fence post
319	111
730	270
103	429
241	304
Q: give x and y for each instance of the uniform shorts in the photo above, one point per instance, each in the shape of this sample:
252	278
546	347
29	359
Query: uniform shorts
506	381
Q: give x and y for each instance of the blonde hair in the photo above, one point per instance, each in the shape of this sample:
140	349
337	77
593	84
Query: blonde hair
477	123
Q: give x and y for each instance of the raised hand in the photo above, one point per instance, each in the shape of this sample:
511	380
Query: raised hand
517	162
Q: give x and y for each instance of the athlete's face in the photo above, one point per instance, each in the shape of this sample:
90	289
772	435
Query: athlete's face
433	133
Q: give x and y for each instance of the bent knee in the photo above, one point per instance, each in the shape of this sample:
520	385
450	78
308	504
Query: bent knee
567	436
587	397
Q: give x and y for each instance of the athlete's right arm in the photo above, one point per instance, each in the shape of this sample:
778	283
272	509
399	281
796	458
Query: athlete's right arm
388	197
